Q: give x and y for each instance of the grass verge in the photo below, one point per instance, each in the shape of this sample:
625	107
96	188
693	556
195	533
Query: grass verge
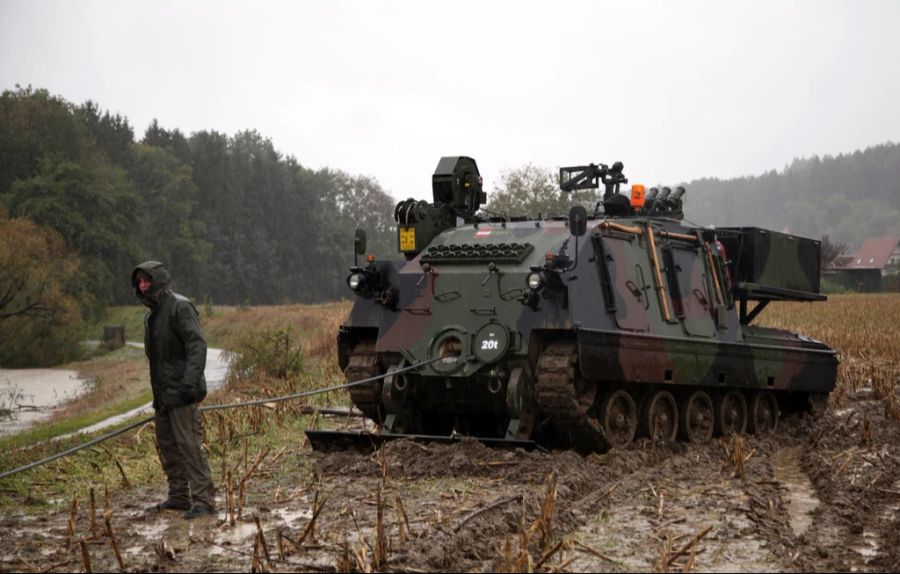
47	431
130	461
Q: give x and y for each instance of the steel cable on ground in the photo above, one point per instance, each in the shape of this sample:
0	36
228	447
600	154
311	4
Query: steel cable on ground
255	402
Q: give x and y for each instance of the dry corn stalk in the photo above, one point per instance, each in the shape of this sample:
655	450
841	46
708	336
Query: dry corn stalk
735	455
344	563
85	556
93	513
361	555
690	550
115	544
518	558
867	437
242	486
279	539
70	530
665	552
260	535
229	499
402	522
310	530
382	550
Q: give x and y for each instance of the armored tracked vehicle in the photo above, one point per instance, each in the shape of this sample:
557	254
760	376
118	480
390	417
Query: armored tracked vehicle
582	331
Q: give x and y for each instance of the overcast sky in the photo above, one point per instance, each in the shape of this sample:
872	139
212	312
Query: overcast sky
675	90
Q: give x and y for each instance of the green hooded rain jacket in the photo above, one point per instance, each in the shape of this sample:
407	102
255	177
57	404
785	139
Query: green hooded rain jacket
173	341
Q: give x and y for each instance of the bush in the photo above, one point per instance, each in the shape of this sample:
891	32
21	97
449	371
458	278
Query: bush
208	308
891	283
274	353
833	287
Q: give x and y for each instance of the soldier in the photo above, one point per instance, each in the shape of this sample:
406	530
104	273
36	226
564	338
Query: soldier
176	350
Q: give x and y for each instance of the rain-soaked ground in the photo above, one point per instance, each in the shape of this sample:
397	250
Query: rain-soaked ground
817	495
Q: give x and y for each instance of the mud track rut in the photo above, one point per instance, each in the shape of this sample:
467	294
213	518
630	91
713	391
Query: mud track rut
635	506
466	542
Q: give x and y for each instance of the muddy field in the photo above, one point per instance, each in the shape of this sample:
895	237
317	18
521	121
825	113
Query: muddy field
817	495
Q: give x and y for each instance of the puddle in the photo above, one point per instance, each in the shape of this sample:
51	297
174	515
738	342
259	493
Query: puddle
33	531
889	514
151	531
867	548
288	515
800	498
236	534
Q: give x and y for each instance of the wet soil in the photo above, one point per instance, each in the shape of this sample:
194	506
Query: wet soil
819	494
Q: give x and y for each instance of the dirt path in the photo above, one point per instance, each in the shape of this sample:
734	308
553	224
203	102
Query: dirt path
818	495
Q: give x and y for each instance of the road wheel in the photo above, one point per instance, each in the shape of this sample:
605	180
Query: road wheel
619	418
660	417
697	417
763	412
731	413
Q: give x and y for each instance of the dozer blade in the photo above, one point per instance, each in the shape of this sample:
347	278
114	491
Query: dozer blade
333	441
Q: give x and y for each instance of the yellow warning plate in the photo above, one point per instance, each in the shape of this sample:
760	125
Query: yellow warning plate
407	239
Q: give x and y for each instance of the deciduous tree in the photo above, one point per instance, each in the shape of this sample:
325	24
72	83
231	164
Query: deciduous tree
40	288
530	190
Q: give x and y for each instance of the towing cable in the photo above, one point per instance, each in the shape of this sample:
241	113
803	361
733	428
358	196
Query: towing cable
252	403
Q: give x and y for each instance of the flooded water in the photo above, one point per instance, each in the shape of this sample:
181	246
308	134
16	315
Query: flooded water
800	496
36	393
215	372
30	395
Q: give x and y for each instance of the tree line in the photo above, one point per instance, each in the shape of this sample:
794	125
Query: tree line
849	197
83	199
236	221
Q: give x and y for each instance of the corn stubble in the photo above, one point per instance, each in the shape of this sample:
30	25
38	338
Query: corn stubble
863	329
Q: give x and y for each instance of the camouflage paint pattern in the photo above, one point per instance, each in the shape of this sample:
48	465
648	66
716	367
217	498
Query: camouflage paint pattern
611	304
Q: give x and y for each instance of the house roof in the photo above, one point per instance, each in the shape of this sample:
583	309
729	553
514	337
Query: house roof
842	261
874	253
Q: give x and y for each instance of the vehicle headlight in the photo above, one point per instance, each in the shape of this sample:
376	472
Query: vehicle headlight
535	281
354	281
